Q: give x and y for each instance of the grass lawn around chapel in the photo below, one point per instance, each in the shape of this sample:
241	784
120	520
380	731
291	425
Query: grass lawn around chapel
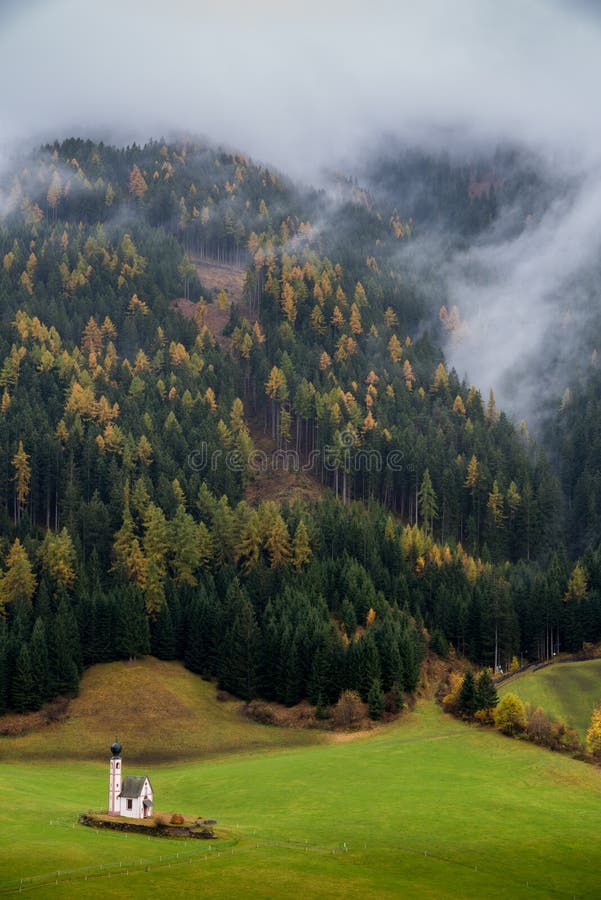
426	807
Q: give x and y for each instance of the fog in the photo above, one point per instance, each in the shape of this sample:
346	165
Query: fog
526	301
310	85
299	84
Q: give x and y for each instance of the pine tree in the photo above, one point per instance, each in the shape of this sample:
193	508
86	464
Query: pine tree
195	656
163	635
486	692
23	691
244	654
397	701
427	502
4	669
133	635
40	670
368	665
466	702
375	700
348	618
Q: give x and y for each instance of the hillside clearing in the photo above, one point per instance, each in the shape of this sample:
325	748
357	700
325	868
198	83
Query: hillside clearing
567	690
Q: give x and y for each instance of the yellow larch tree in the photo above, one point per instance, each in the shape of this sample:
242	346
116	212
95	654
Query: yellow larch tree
578	584
57	558
395	349
22	479
495	505
278	542
137	183
355	320
301	547
408	375
18	582
337	319
441	379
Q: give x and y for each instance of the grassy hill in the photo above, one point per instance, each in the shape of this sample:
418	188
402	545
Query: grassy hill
160	711
427	807
567	690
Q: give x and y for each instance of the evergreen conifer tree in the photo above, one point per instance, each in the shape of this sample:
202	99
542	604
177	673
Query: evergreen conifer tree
163	635
24	697
40	669
375	700
466	701
486	692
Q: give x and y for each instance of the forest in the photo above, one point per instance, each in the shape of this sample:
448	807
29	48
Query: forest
129	434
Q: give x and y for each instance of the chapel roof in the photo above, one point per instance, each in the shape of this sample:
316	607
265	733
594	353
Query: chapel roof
132	786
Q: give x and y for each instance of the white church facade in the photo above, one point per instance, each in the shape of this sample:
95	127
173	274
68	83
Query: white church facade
131	796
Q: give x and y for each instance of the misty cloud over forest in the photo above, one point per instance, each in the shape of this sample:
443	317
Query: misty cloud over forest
314	85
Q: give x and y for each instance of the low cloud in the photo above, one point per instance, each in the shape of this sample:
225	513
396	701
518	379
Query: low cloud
526	299
311	85
299	85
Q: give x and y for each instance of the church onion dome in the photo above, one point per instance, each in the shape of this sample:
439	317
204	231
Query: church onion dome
116	749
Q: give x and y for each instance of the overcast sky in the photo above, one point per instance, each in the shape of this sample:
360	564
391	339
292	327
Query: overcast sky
296	84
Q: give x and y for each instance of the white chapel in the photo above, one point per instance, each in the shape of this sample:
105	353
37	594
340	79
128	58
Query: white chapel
130	796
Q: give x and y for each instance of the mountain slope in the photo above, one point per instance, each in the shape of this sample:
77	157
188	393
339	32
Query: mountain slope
567	690
159	710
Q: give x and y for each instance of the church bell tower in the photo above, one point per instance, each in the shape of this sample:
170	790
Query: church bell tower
115	780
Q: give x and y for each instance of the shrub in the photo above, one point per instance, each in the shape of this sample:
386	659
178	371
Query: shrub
485	716
349	710
259	711
593	735
550	732
449	701
539	726
510	715
322	712
394	699
160	821
177	819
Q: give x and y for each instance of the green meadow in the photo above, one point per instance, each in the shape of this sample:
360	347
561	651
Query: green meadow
427	807
568	691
